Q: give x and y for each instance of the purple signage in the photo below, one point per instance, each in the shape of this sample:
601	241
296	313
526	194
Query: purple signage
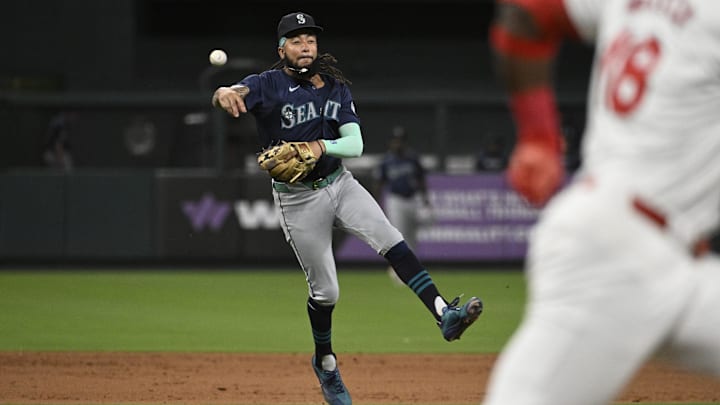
475	217
208	212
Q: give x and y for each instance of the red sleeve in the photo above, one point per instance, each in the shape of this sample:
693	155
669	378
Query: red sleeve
550	16
534	108
510	44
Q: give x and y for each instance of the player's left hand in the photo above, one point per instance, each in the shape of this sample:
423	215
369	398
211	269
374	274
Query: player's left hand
536	171
290	162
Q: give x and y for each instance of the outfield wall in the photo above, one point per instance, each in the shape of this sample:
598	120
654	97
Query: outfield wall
171	216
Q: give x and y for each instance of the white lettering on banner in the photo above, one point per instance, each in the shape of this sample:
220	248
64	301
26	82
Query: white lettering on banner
458	213
257	214
474	217
475	234
480	205
464	197
511	212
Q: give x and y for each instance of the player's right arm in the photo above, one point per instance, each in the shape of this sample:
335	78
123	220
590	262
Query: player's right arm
525	36
231	99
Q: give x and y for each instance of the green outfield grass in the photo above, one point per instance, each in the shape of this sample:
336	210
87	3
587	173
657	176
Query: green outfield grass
241	311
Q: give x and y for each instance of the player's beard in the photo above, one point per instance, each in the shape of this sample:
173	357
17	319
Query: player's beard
304	72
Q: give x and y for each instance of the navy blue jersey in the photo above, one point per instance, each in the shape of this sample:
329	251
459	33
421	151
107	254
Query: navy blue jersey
403	174
289	109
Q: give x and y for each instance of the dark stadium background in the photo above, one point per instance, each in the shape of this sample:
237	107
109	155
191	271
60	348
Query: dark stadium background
136	75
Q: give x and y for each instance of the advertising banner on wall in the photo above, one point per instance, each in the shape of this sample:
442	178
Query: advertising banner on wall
210	217
475	217
194	217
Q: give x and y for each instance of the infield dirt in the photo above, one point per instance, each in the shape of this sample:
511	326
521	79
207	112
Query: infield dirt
230	378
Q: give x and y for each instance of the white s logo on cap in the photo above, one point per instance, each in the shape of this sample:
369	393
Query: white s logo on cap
300	18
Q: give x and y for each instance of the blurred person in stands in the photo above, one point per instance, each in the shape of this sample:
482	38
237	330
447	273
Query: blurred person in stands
56	149
492	157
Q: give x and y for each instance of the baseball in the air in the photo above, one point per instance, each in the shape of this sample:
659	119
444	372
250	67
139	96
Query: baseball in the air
218	57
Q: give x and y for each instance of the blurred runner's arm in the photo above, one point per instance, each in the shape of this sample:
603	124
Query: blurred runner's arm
525	37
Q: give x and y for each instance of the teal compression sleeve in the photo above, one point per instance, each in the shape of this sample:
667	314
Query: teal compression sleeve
350	143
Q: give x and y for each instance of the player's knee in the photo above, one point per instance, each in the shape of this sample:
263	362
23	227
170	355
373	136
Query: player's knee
326	297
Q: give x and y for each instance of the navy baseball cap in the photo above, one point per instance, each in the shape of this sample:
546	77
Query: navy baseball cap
296	21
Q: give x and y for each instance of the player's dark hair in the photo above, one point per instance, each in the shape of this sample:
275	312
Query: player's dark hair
325	64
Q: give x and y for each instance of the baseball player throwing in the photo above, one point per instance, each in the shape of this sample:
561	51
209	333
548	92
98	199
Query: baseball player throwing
613	274
307	123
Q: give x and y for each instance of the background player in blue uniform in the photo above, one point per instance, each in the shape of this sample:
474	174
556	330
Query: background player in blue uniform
401	187
402	174
304	97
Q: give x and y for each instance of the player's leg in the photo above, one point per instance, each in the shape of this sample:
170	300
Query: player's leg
398	209
307	220
359	214
695	343
601	281
395	209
